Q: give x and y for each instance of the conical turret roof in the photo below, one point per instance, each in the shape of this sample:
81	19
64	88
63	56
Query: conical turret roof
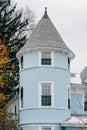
43	36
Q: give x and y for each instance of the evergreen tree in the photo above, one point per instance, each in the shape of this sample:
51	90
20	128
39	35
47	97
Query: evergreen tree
13	27
5	76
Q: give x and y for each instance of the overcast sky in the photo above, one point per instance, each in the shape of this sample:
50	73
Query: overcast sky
70	19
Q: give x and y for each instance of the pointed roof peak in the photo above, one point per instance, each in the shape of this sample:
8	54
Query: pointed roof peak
44	36
45	14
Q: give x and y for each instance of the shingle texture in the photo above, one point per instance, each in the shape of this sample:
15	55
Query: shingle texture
45	35
83	75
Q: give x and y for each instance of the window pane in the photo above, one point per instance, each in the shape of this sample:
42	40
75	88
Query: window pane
46	128
46	54
68	103
45	61
85	105
46	89
46	100
21	97
22	62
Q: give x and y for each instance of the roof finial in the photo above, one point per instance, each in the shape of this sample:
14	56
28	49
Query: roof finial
45	14
45	10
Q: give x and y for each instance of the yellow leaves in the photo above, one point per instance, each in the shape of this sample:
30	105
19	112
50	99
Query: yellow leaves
1	81
4	65
3	98
3	55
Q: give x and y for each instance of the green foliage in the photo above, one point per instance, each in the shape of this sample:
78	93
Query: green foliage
13	27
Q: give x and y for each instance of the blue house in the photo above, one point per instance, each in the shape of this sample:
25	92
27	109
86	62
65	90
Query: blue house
47	98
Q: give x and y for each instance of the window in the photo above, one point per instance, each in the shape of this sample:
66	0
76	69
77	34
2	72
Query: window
68	98
46	94
15	109
21	128
68	63
46	58
46	128
21	97
22	62
85	101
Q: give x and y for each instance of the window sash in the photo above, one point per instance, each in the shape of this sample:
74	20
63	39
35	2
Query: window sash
46	54
46	100
22	62
85	105
46	61
46	128
21	97
46	89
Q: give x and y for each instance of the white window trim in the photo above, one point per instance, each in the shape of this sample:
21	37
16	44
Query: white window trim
46	126
52	58
52	94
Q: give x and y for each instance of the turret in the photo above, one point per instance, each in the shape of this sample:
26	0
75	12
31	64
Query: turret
44	78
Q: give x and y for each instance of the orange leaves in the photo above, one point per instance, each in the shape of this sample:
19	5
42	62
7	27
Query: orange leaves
3	97
4	60
3	55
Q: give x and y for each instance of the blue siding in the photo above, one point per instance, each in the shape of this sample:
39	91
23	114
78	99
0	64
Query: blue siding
77	103
31	59
37	127
31	128
30	77
31	87
60	60
43	115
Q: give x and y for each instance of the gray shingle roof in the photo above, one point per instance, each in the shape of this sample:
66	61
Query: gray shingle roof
45	35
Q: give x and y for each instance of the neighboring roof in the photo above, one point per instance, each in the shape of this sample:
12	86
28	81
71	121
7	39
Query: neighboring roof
83	75
79	121
45	35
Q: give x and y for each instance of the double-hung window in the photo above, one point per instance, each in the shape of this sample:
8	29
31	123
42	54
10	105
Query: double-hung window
46	94
46	58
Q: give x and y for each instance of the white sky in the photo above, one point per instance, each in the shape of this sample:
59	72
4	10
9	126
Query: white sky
70	19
